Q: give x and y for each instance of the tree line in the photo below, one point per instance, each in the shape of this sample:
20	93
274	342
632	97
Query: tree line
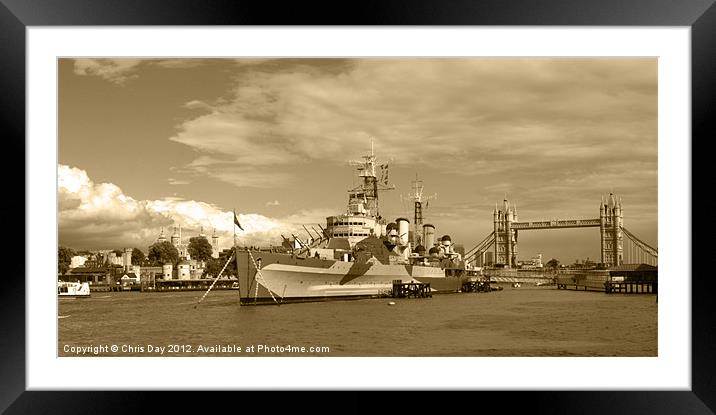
158	254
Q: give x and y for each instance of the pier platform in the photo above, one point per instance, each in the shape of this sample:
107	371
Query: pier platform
476	287
190	285
410	289
624	279
631	287
103	288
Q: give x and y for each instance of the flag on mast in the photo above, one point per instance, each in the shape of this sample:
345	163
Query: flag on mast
236	221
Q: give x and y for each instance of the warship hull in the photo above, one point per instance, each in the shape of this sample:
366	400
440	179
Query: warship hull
287	278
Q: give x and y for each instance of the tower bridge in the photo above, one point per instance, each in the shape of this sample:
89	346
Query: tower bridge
610	222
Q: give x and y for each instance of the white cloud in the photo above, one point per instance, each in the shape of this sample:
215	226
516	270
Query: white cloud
99	215
195	104
117	71
471	116
121	70
178	63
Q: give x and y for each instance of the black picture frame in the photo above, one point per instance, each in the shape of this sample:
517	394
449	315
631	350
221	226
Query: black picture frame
16	15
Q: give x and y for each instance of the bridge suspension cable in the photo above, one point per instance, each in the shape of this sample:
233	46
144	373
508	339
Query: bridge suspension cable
481	247
638	251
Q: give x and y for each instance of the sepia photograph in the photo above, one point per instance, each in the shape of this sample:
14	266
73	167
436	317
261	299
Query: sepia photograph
357	207
457	196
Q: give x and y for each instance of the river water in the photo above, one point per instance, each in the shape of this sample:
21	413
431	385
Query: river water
525	321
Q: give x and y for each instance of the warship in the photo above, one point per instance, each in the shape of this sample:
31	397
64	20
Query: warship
358	254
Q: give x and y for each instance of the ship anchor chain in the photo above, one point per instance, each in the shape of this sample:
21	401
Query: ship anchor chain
260	277
215	279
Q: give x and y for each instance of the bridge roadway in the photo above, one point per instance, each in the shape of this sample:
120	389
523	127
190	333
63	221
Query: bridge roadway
557	224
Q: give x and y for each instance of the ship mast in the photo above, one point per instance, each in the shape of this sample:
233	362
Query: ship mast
367	192
418	198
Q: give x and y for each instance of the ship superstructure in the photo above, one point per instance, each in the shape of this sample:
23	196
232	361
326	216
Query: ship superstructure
359	254
362	217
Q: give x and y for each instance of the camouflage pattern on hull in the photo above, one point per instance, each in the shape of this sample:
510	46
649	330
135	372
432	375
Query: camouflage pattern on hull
291	278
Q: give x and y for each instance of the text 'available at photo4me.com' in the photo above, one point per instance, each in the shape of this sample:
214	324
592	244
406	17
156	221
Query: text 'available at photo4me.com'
188	349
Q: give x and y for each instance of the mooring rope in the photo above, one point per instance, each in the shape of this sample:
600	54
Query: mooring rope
215	279
261	277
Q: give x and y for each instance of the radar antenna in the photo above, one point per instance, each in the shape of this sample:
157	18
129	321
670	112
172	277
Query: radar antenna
420	202
367	192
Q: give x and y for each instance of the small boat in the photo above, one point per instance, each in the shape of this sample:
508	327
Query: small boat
516	285
73	289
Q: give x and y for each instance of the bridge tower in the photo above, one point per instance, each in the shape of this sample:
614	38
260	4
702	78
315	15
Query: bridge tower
610	228
611	231
505	234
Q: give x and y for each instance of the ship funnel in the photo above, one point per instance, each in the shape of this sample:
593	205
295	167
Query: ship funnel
403	230
429	235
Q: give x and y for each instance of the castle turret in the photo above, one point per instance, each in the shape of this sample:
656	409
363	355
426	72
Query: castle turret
184	270
167	271
161	237
127	256
214	245
175	238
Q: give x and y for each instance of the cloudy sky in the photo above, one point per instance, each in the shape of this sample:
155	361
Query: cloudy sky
144	144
